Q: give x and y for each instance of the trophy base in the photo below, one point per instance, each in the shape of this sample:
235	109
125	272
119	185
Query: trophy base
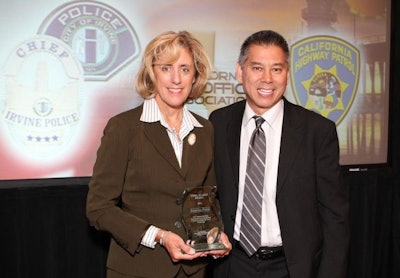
201	247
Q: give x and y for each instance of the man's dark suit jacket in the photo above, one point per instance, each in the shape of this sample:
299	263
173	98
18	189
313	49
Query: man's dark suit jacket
311	199
137	181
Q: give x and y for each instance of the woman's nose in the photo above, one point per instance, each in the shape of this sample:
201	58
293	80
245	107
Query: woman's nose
175	76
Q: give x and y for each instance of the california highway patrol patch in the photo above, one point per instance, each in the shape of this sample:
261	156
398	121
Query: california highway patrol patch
325	73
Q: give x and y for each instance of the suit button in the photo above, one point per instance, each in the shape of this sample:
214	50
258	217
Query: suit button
178	224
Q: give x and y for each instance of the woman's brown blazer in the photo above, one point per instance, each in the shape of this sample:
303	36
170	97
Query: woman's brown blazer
137	182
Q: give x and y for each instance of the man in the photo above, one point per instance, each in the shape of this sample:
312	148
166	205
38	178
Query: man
303	227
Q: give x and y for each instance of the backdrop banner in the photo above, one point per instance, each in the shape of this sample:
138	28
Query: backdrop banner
68	66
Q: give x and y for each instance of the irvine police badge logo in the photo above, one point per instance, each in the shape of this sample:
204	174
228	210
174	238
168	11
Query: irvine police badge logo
325	72
41	109
101	37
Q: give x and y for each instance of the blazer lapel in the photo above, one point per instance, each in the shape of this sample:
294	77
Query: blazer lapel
290	144
233	140
190	150
158	136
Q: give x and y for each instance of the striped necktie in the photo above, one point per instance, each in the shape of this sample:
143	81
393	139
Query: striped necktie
250	230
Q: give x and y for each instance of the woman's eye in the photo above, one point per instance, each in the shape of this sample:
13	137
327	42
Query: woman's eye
165	68
185	70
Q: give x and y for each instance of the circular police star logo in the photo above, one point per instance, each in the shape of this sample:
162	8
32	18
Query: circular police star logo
42	92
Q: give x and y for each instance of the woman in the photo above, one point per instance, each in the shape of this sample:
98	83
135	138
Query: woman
147	158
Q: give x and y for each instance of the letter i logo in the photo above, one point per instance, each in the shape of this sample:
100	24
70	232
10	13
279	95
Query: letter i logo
90	46
100	36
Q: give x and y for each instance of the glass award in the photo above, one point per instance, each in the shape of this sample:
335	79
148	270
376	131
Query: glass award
201	218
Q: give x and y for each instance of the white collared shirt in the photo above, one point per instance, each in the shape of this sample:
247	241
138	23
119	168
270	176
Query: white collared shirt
151	113
270	230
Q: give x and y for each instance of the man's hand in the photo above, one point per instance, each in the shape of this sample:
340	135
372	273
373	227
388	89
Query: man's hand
178	249
224	252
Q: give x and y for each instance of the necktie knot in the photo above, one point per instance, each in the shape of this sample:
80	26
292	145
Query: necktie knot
259	121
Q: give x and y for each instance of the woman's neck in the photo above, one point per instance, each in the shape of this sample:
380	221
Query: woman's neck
173	116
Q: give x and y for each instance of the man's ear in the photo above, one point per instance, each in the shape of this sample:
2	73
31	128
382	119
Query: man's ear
238	73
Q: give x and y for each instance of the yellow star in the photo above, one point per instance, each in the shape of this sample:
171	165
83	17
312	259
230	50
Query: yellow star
324	90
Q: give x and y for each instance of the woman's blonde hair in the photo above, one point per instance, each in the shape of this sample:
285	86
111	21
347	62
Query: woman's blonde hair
169	45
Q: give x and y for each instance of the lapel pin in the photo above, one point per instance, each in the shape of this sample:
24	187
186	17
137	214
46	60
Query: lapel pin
192	139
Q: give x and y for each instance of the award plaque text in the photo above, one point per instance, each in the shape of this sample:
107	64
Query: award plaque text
201	218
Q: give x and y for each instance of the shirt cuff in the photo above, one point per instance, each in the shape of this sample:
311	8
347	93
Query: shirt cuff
149	238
